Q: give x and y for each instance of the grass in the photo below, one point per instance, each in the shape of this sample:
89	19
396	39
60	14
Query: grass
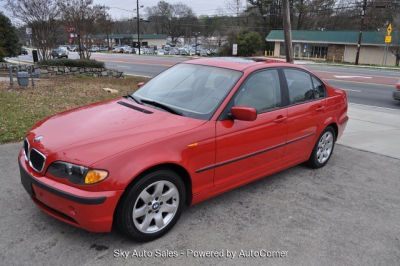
21	108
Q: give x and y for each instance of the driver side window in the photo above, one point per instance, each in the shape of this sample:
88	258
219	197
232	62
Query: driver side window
261	91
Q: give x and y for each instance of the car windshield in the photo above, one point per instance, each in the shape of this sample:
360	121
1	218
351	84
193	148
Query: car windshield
192	90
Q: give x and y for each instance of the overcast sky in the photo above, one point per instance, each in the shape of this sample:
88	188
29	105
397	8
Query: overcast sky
118	8
200	7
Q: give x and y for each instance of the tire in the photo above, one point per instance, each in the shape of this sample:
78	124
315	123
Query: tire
326	141
152	206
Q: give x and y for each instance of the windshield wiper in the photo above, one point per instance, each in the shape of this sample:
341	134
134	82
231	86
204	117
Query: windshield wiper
162	106
134	98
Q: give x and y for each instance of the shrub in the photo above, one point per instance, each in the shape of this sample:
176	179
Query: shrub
72	63
249	43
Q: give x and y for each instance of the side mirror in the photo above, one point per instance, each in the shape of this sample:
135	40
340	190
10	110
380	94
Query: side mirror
140	84
244	113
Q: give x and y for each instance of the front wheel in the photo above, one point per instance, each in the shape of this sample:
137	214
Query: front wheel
323	149
152	206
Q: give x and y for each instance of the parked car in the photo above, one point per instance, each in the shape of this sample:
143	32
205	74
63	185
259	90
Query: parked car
73	48
396	93
183	51
192	52
103	48
117	49
202	52
160	52
24	51
126	49
59	53
173	51
200	128
94	48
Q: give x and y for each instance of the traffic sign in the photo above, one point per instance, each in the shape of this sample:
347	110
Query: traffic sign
388	39
234	49
28	31
389	29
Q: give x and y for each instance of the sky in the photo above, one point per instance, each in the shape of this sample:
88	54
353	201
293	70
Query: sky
200	7
119	8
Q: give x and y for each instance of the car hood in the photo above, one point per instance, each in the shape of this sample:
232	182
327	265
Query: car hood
91	133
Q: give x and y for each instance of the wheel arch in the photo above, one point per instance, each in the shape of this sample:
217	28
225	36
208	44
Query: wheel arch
180	170
335	128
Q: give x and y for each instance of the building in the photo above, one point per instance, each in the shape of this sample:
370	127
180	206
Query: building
338	46
149	40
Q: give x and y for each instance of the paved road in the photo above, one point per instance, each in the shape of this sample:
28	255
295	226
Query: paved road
343	214
363	85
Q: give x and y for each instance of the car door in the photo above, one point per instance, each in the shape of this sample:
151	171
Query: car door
306	112
247	149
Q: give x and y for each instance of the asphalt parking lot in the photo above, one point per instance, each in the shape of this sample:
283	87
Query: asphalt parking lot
346	213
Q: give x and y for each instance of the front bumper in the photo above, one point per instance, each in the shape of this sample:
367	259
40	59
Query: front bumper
396	95
92	211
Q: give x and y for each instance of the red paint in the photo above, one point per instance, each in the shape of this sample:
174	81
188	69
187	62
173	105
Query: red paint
126	142
244	113
140	84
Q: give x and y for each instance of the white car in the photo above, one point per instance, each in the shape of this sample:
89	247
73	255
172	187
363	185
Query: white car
117	49
160	52
126	49
94	49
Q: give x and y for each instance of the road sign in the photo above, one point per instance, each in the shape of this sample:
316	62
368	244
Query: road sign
28	31
388	39
389	29
234	49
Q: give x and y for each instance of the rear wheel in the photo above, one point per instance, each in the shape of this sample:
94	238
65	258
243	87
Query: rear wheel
323	149
152	206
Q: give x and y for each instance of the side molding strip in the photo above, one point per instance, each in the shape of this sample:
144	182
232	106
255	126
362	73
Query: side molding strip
252	154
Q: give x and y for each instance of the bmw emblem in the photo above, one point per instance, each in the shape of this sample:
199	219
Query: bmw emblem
36	139
155	206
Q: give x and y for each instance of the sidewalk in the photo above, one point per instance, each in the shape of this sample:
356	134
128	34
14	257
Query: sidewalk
373	129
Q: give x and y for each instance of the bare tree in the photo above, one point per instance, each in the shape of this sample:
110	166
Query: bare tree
82	16
176	20
43	17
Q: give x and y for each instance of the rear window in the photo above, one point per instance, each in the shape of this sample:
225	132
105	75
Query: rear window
299	85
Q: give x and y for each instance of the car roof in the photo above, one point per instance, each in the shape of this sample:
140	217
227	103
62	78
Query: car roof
237	63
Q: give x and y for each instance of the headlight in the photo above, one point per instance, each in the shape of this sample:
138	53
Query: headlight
76	174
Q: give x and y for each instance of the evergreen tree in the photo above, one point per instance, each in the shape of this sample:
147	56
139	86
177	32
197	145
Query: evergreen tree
9	45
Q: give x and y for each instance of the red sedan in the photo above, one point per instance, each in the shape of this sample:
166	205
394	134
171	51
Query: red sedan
196	130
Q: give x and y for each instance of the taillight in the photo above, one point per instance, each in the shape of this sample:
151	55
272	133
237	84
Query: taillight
398	85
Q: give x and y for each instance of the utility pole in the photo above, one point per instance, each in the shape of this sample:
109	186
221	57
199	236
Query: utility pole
138	22
287	31
237	11
364	8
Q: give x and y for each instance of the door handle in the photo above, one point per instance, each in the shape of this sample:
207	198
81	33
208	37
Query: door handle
280	119
320	108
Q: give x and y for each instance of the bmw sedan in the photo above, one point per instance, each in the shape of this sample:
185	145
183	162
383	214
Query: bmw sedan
198	129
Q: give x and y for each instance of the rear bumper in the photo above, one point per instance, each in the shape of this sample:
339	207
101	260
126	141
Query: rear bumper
92	211
396	95
342	126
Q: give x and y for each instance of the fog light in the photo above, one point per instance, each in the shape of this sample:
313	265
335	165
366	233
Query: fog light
94	176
